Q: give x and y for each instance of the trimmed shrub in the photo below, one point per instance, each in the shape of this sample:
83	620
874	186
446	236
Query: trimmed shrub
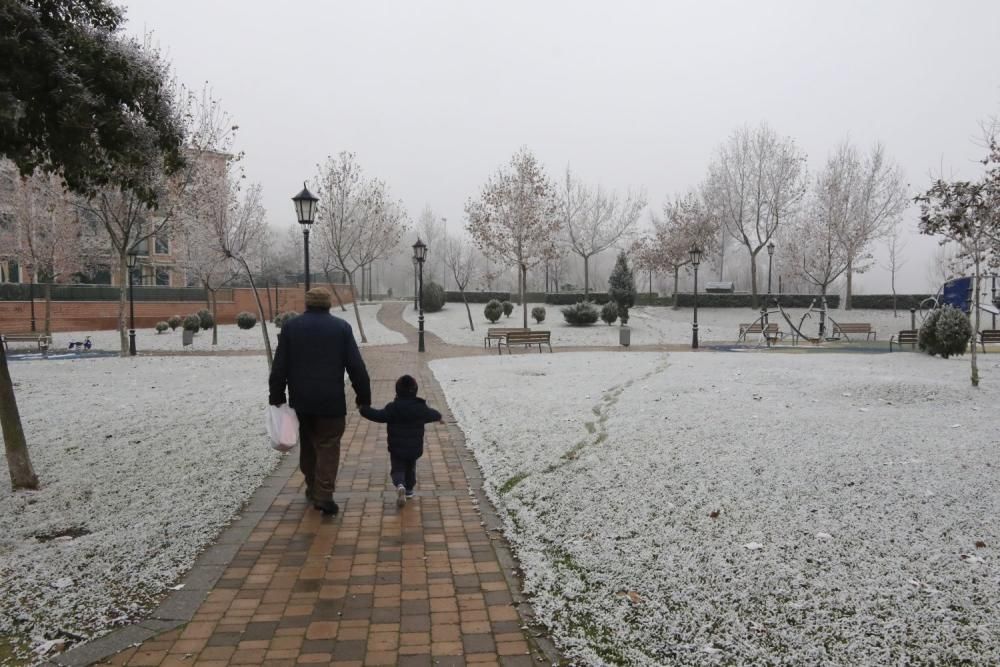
192	323
538	312
493	311
432	297
927	336
952	332
207	321
281	319
175	321
580	314
508	308
161	327
609	313
246	320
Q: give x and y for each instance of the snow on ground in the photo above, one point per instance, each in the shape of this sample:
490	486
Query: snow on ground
143	461
231	337
763	508
651	325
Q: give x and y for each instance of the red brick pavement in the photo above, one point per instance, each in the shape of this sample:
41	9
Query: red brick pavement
375	585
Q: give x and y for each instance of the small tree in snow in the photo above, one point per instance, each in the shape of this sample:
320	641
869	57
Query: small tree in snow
895	261
621	287
460	257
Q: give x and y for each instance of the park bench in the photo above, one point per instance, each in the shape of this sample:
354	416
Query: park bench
990	336
526	338
905	337
498	334
856	328
39	339
770	332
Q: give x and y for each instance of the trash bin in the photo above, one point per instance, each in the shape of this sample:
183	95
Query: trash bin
624	336
187	337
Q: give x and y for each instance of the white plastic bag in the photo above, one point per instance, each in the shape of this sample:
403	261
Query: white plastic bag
282	427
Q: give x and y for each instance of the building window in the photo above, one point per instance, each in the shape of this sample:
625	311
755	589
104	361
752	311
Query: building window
163	277
160	245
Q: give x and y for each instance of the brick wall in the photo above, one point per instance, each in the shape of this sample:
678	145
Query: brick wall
15	316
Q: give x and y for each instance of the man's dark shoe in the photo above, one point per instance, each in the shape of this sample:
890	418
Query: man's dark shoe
326	506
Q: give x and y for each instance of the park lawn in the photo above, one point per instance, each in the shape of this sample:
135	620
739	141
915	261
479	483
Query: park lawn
142	462
763	508
650	325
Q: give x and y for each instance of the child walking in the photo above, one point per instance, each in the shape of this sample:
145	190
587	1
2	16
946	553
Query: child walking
404	418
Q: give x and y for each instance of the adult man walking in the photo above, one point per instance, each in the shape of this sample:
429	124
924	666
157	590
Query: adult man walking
314	350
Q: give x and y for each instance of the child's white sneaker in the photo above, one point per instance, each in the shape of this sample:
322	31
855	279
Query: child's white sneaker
400	495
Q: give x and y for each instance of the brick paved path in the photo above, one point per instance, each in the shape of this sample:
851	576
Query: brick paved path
375	585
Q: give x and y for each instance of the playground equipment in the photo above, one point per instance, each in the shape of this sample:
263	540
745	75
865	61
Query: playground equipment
958	293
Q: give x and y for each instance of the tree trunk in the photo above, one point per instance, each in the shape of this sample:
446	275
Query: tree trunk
524	303
48	310
123	278
215	317
363	276
892	282
22	474
975	328
260	310
336	292
357	311
850	275
468	311
586	277
270	306
753	281
677	271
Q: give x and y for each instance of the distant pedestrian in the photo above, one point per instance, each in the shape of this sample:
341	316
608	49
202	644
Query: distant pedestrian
314	351
404	418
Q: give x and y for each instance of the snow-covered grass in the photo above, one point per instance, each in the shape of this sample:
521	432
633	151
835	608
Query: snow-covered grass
651	325
141	463
771	508
231	337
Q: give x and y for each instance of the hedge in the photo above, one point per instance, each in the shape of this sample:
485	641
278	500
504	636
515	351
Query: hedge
569	298
477	297
884	301
686	300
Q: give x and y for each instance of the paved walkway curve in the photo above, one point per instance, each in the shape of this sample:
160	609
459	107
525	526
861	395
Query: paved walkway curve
431	584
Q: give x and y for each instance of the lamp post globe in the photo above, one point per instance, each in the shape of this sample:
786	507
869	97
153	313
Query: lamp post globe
131	259
306	204
695	256
419	255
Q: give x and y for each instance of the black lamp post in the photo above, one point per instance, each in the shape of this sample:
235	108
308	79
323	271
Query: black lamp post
695	254
419	254
770	264
415	281
305	209
132	259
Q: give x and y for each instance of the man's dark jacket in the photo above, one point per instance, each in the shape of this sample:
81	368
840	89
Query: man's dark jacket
314	350
404	418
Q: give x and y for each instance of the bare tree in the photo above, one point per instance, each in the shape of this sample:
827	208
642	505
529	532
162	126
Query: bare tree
895	261
516	217
358	221
686	222
460	257
754	184
875	198
594	220
431	230
48	239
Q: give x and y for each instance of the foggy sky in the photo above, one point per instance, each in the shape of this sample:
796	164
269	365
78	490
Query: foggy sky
434	96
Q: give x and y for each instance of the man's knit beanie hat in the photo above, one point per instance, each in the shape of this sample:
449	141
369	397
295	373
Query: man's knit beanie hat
318	297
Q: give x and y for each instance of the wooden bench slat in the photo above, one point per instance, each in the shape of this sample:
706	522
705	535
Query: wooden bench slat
845	328
904	337
528	337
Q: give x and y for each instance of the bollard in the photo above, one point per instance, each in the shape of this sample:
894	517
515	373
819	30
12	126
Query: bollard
913	318
625	336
